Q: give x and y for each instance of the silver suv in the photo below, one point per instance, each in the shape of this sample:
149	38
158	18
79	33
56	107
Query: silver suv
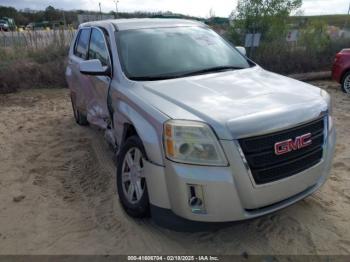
201	132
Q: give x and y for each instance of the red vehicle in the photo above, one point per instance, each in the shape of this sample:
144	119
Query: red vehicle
341	69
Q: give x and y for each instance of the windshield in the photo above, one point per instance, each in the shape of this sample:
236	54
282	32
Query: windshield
162	53
3	22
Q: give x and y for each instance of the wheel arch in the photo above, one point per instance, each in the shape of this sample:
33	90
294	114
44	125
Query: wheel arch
129	130
134	123
345	71
156	179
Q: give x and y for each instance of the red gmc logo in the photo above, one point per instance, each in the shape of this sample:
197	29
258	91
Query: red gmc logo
290	145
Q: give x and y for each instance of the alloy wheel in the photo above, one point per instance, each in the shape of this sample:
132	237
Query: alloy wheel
133	179
346	84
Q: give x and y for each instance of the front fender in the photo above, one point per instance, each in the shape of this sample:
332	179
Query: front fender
151	135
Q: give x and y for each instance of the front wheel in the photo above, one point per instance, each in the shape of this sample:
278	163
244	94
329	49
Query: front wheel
346	83
131	181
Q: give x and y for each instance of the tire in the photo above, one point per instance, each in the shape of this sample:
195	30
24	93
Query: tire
132	188
345	84
79	117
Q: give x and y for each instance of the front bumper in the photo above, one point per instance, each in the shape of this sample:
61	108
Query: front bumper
229	193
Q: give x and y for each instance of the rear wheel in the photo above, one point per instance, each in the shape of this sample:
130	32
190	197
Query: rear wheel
131	181
346	83
79	117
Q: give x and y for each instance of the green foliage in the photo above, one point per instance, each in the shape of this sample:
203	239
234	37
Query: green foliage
335	20
7	11
314	50
26	16
314	36
280	57
269	17
52	14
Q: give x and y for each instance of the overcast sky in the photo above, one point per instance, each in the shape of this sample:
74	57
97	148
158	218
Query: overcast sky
189	7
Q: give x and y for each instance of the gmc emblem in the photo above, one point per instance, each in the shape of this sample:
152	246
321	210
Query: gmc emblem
290	145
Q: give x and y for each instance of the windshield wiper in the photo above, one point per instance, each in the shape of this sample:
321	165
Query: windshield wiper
212	69
152	78
197	72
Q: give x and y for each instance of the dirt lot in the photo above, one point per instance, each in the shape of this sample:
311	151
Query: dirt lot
57	194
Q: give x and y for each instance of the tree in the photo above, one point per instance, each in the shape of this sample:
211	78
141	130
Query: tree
8	11
268	17
314	36
52	14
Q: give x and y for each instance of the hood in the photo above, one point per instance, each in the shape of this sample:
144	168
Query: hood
238	103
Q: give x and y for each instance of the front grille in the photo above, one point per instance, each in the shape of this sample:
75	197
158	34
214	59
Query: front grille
267	167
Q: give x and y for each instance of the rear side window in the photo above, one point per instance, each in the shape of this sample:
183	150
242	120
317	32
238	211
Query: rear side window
82	43
98	48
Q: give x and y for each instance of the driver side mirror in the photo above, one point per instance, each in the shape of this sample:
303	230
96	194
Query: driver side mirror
94	67
242	50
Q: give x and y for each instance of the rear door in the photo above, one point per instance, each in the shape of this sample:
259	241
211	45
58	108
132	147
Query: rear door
79	84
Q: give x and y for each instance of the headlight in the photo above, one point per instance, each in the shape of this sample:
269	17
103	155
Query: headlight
193	143
328	99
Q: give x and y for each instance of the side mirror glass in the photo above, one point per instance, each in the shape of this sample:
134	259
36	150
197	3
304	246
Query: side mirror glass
93	67
242	50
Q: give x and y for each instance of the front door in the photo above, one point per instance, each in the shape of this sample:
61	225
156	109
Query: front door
98	113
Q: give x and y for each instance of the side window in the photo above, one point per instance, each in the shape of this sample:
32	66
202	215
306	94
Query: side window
98	48
82	43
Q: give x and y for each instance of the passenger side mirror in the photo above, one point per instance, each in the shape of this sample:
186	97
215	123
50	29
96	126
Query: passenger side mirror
242	50
94	67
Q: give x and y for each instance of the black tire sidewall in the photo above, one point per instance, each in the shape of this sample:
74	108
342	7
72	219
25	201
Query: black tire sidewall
343	82
78	116
140	209
75	113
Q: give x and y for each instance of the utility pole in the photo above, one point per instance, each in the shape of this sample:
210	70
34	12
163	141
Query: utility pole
64	20
116	8
99	4
346	20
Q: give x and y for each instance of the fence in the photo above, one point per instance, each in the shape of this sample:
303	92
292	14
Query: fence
36	39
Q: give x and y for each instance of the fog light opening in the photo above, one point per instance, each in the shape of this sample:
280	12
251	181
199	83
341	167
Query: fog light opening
196	200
